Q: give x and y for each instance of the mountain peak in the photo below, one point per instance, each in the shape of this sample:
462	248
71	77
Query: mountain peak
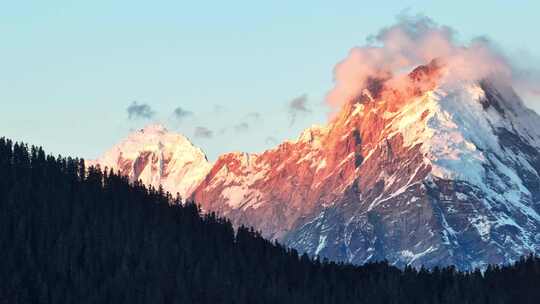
157	156
424	173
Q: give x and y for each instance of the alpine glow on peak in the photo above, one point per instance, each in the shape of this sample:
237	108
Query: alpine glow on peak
441	175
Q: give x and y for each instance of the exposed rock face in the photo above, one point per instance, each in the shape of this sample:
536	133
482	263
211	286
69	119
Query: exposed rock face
421	175
157	157
425	176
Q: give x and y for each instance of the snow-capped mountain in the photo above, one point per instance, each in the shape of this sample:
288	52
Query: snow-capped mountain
428	175
439	175
158	157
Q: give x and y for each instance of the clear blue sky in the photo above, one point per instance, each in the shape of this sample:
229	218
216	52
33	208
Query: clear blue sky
69	69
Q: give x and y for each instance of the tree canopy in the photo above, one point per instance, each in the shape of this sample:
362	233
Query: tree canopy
70	234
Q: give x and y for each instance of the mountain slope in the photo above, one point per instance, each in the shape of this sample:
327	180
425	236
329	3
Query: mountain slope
432	175
158	157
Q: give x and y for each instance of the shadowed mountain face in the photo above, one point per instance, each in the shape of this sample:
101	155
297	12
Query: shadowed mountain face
427	174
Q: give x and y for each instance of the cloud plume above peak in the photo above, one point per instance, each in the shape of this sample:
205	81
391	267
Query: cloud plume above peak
413	41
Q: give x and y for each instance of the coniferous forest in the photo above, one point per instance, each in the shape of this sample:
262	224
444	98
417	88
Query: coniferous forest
70	234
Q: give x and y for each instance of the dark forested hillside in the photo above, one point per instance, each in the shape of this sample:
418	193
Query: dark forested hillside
70	234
